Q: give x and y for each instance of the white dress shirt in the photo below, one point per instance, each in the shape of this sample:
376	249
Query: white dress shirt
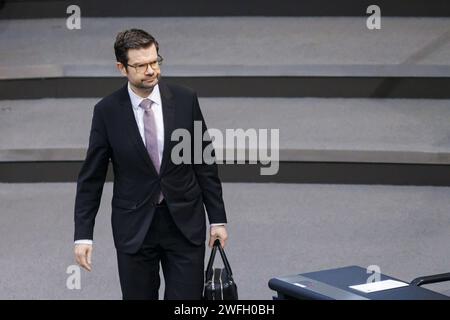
155	97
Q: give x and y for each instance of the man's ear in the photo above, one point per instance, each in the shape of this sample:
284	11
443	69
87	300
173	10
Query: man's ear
121	68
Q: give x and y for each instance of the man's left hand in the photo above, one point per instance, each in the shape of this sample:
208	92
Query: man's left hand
218	232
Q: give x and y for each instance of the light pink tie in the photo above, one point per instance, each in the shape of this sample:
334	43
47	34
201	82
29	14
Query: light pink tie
151	136
150	133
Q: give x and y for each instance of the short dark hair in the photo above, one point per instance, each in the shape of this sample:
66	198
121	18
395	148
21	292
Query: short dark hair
132	39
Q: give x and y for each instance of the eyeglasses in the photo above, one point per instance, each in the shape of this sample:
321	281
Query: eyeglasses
142	68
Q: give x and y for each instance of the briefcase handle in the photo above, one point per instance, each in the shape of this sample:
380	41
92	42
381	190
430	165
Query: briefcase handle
213	255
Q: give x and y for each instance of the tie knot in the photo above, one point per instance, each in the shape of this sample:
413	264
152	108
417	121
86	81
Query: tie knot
146	104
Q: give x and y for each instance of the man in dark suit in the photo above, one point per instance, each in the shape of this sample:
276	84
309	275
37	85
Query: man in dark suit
158	206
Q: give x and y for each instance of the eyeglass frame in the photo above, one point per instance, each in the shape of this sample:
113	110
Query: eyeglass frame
157	63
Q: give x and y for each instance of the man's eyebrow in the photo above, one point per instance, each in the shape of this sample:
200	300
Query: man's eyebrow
145	62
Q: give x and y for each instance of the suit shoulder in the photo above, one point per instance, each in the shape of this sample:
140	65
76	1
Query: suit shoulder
109	100
181	90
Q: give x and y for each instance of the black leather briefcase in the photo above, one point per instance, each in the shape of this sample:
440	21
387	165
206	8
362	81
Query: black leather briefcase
219	282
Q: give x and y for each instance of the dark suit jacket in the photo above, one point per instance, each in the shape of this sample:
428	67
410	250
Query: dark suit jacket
186	187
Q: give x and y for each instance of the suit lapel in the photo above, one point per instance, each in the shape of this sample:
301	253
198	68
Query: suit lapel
168	107
132	128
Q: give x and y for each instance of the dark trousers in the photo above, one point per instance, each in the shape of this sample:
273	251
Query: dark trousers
182	263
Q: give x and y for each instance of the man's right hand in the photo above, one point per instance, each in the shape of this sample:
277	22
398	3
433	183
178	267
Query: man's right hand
83	255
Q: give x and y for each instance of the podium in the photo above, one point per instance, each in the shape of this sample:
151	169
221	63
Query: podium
334	284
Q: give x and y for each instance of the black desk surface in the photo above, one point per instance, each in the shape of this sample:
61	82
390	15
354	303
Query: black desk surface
334	284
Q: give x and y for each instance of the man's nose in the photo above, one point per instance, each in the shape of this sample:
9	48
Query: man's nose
149	70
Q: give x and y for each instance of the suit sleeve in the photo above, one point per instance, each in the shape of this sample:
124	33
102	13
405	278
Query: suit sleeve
91	178
208	177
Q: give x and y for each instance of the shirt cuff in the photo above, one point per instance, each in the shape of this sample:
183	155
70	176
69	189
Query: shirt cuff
84	241
217	224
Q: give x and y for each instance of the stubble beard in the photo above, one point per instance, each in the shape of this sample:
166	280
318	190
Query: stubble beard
145	86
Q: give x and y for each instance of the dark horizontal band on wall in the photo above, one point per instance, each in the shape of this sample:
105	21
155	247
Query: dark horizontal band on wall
440	157
13	9
289	172
243	86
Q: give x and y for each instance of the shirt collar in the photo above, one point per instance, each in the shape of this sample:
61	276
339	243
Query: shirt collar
155	96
